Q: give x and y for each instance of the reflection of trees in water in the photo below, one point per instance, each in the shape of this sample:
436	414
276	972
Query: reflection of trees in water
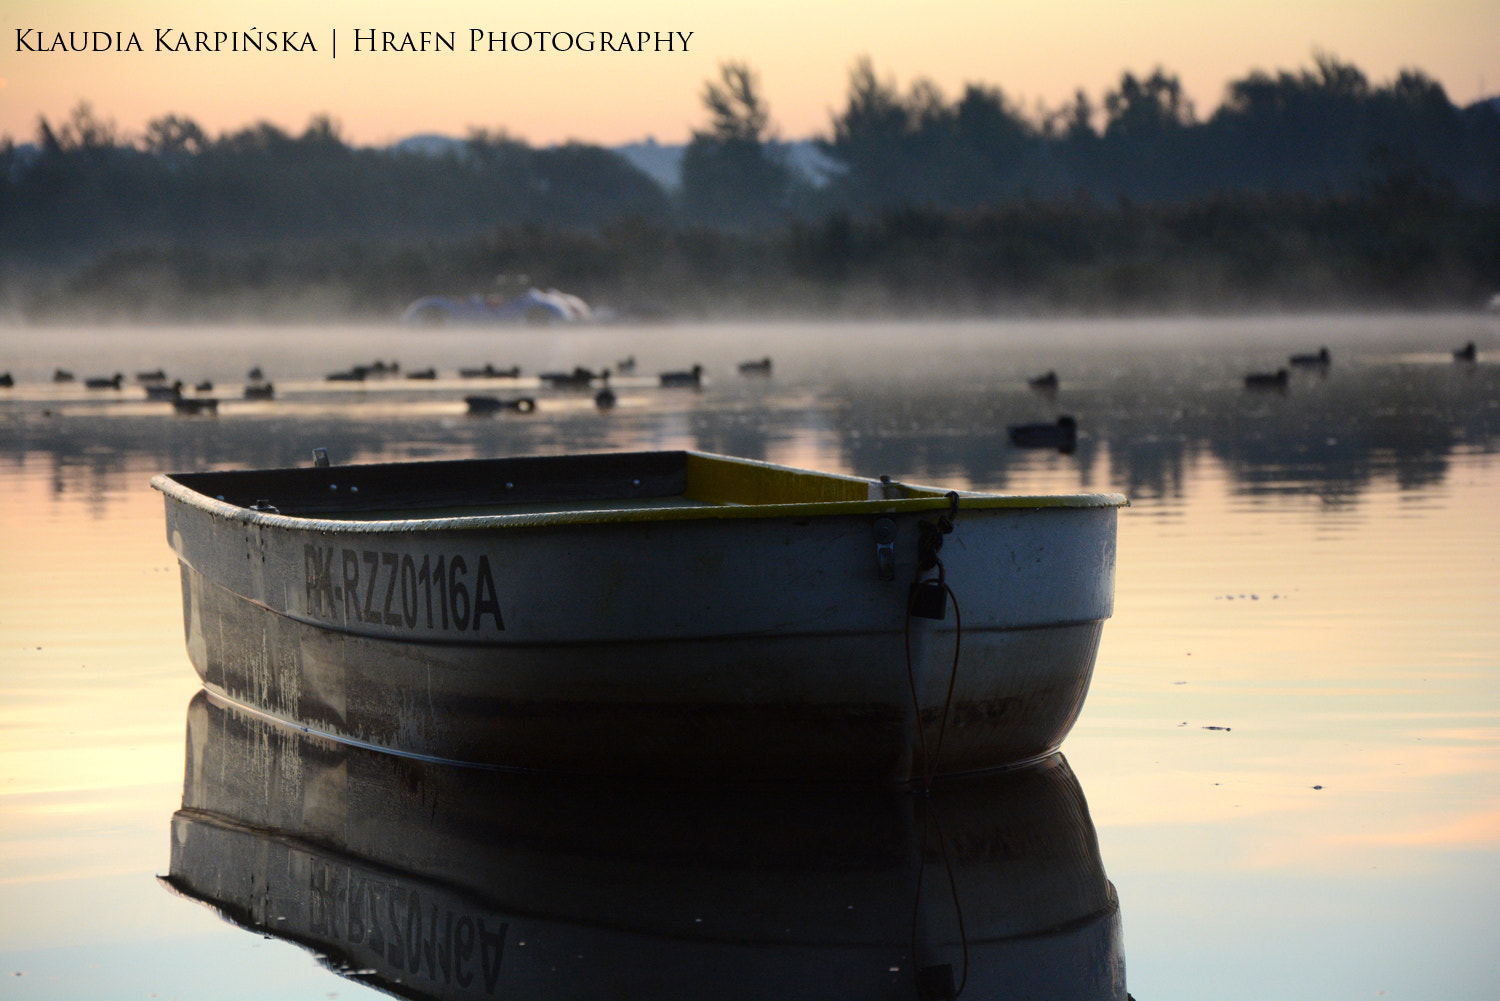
1333	436
1143	430
94	455
1327	436
1151	466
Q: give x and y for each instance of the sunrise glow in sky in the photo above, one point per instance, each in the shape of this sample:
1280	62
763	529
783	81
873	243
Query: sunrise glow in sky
1039	53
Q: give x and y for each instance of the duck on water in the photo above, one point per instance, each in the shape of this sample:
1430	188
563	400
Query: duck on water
1268	380
1322	359
494	405
579	377
164	392
489	371
691	377
1044	383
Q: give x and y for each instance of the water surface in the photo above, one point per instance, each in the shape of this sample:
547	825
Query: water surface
1290	756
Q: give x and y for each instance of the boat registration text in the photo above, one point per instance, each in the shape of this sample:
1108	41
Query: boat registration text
439	593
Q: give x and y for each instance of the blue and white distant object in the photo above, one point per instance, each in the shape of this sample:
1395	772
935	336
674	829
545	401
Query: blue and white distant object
535	306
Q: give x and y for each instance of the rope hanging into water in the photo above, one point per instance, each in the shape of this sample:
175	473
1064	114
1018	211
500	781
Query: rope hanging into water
927	991
931	541
930	821
929	761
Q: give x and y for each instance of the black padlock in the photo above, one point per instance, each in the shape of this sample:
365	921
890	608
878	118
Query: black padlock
928	599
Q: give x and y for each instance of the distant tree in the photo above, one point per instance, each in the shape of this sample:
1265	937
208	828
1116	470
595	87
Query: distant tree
174	136
81	132
919	149
1146	109
1148	149
324	135
994	146
733	174
1341	79
1073	120
86	131
1328	129
737	108
1071	145
262	137
871	138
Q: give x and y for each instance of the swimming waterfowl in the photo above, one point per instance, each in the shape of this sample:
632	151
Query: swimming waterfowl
1047	382
156	375
692	377
423	373
605	398
580	376
493	404
1062	435
164	392
6	380
359	373
1466	353
260	391
1320	360
760	366
195	404
483	404
62	375
113	382
1267	380
489	371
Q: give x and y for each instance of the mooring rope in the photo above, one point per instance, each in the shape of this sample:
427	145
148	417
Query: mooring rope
930	821
929	768
929	762
927	560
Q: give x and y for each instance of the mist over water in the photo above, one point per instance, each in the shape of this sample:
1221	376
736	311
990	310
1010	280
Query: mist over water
1289	754
922	400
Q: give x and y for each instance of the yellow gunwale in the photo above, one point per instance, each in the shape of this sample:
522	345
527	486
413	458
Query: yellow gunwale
718	488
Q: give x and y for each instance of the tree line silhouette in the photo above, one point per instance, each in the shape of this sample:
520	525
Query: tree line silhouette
1313	187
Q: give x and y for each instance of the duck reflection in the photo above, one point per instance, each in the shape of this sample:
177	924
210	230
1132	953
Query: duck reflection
430	880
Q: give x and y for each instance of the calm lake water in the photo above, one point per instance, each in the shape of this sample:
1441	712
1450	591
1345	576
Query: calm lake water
1290	755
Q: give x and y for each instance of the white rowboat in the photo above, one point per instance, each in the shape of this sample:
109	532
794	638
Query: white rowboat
654	612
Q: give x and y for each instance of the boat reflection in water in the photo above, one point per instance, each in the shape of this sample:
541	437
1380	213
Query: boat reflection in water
431	880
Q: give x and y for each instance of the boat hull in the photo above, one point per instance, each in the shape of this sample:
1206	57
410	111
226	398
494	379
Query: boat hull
751	647
801	706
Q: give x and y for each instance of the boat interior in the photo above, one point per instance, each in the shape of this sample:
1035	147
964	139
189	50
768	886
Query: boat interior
629	481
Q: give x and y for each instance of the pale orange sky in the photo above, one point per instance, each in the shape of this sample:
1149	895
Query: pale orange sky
803	50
